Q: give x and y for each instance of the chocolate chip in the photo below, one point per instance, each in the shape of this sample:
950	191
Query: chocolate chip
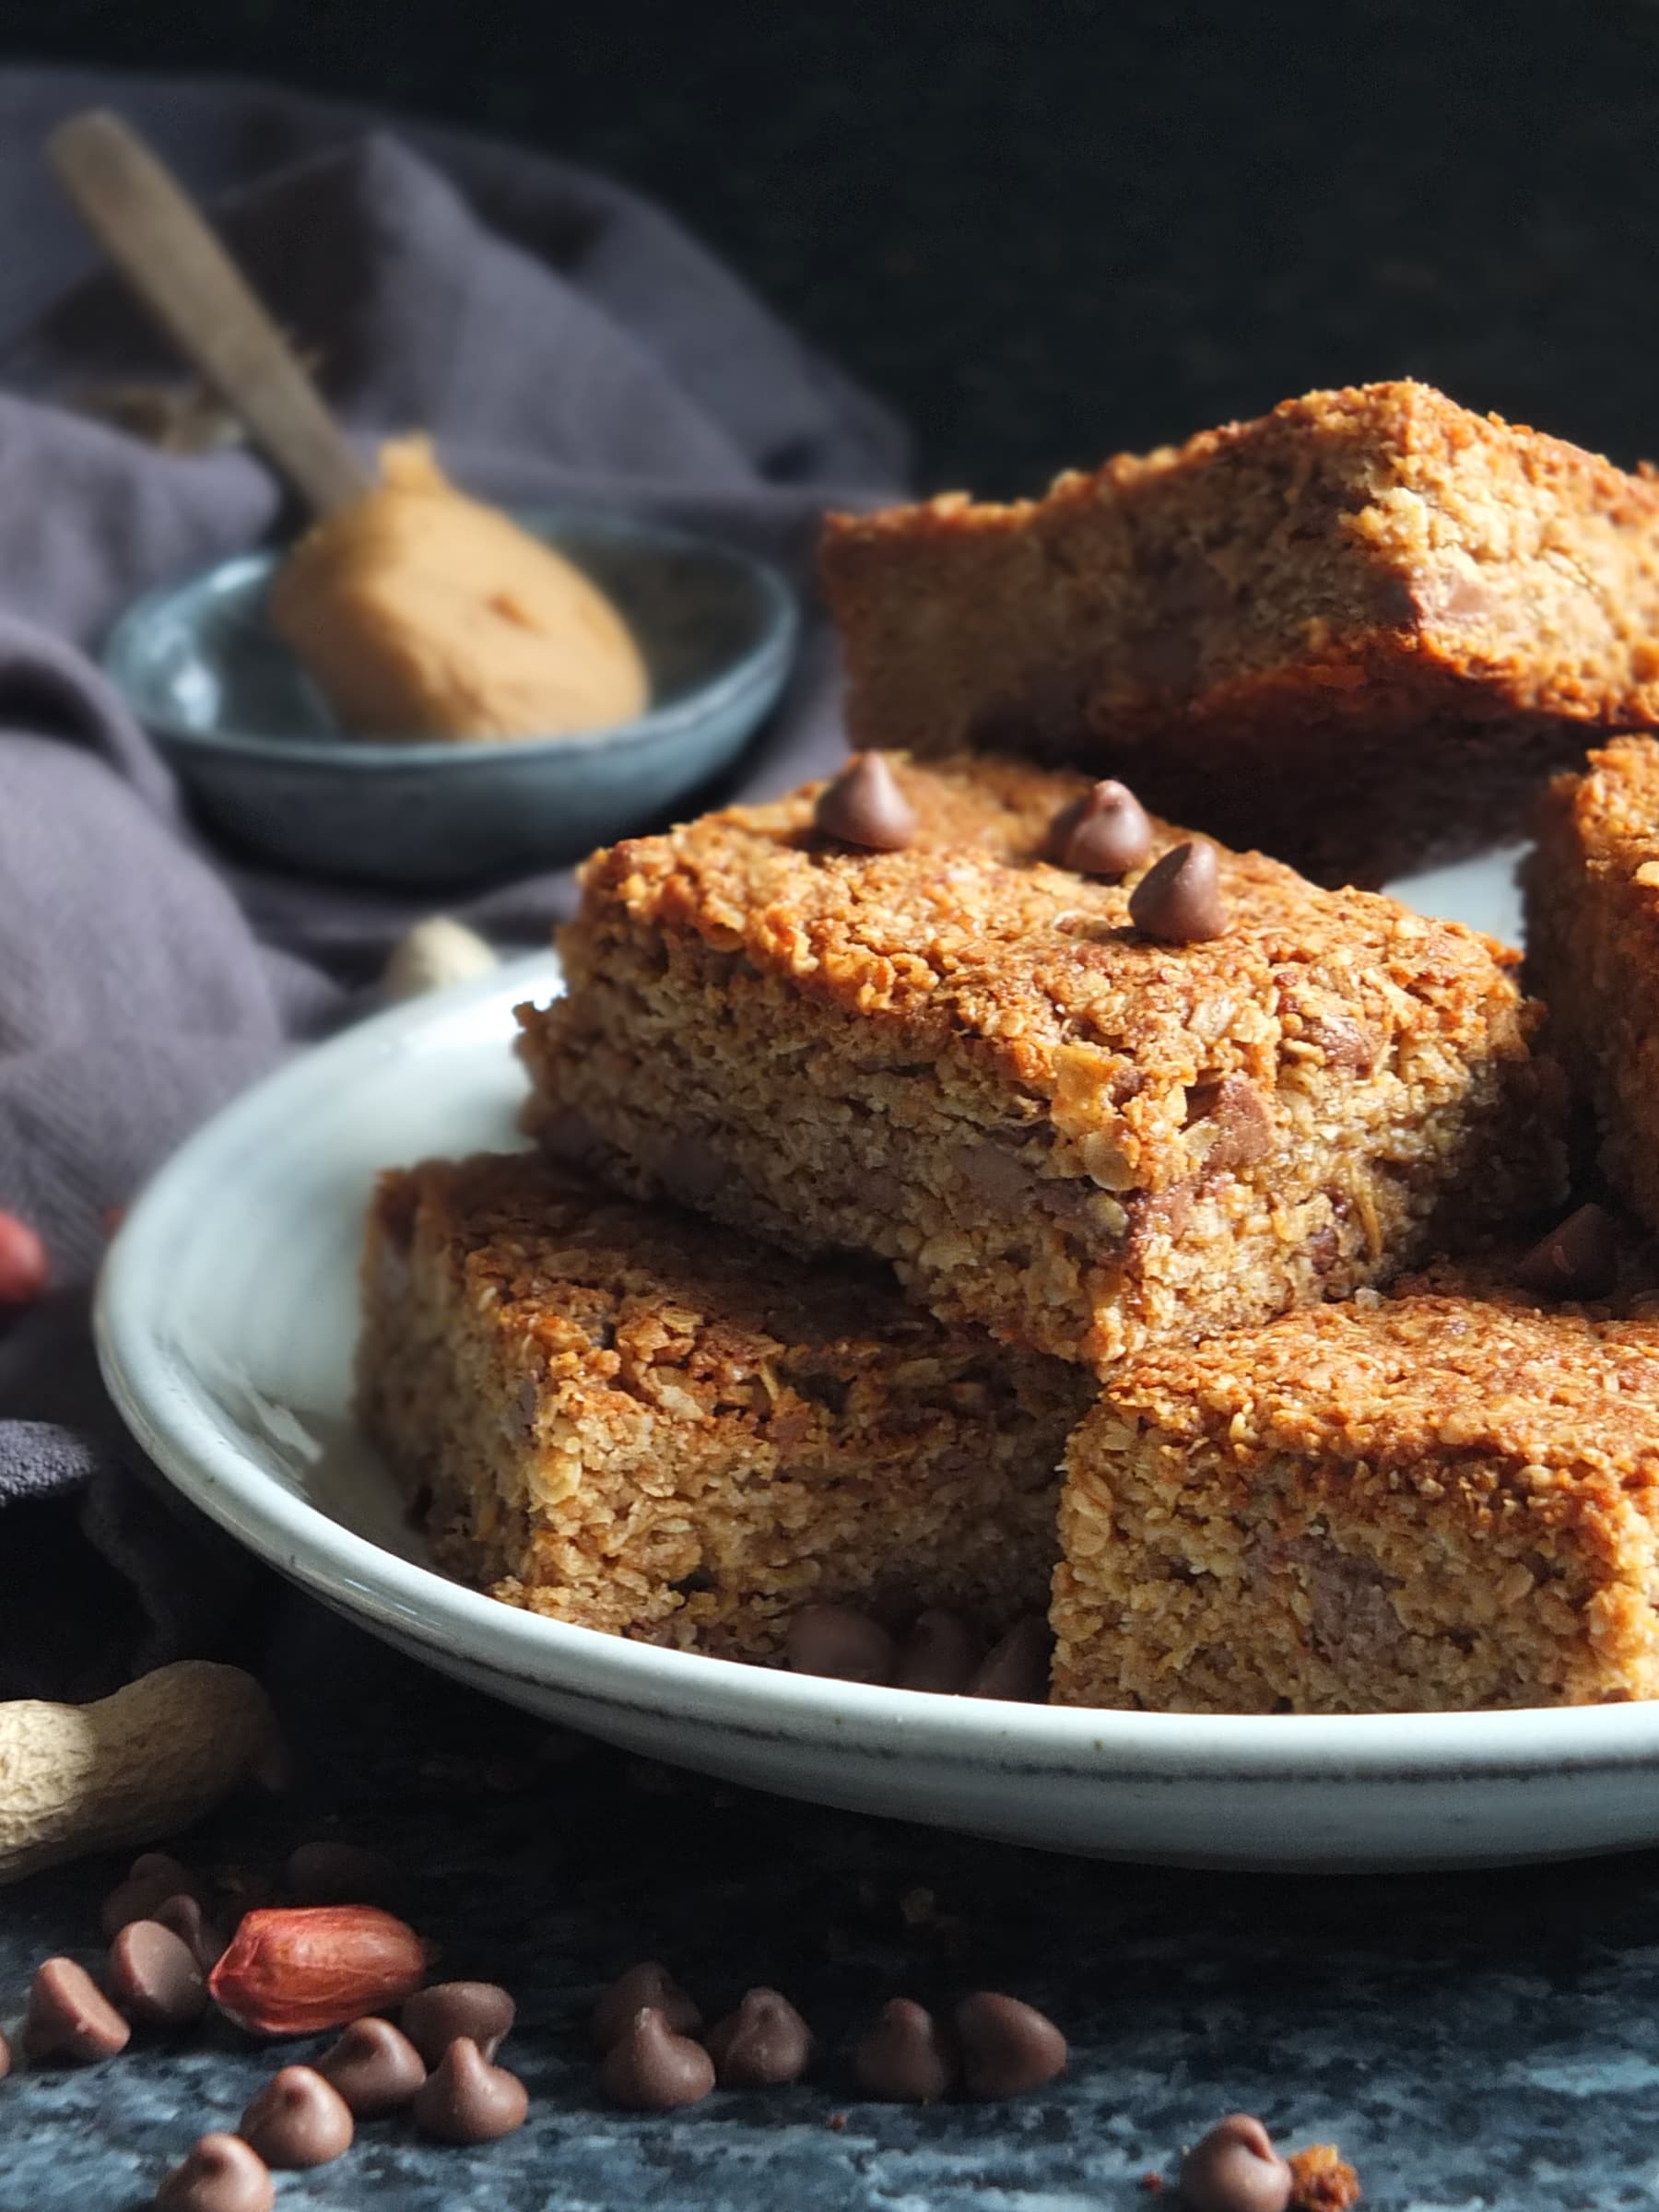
1577	1259
865	807
70	2018
902	2058
151	1880
1179	898
1343	1042
940	1653
764	2043
1235	2169
647	1983
833	1639
1007	2047
433	2018
298	2119
187	1920
375	2068
221	2174
1057	843
1104	833
1017	1667
327	1873
1323	1249
154	1977
466	2100
1242	1124
650	2069
1151	1215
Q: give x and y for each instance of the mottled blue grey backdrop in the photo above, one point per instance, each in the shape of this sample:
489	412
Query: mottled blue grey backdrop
1472	2042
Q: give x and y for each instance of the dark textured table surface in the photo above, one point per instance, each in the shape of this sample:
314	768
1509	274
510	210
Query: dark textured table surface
1470	2041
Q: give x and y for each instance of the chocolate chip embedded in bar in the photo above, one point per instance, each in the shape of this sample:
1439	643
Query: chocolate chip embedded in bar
1000	1075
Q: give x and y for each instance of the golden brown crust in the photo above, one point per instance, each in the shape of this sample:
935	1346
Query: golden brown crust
1429	1502
1357	631
626	1419
1398	1382
1593	944
969	1062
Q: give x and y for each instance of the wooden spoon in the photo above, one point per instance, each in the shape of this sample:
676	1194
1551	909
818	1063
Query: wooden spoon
514	640
157	240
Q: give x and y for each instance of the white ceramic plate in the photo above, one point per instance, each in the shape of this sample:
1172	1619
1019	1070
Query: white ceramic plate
226	1321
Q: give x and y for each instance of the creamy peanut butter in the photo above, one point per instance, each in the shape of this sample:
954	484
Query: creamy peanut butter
422	613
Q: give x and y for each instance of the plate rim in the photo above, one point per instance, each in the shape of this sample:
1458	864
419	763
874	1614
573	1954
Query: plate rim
169	1416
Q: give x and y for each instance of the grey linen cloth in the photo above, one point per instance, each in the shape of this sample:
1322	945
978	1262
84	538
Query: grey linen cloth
562	340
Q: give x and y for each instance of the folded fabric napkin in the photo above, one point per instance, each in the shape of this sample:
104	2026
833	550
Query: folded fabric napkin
562	340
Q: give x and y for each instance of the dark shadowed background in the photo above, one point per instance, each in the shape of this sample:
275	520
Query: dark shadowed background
1047	229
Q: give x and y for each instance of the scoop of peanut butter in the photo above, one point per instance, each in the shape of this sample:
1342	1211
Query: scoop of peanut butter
420	613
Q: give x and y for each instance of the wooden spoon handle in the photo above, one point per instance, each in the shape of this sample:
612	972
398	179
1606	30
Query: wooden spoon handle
157	240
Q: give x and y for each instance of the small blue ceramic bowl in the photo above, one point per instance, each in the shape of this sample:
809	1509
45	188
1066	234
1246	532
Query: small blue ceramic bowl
265	762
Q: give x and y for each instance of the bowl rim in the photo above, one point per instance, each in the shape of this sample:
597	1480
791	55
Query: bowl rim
762	665
164	1406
